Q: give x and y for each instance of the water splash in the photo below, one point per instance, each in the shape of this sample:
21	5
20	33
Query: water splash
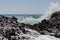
29	20
53	7
46	37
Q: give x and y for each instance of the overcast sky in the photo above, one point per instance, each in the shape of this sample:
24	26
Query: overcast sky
25	6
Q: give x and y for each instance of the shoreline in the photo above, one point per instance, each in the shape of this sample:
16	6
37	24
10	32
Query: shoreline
11	27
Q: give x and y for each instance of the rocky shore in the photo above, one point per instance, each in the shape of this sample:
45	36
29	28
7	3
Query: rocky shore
49	27
11	29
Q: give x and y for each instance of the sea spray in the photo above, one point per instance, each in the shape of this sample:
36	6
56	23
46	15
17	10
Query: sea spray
53	7
46	37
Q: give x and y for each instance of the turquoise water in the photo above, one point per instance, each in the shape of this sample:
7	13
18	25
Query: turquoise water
26	18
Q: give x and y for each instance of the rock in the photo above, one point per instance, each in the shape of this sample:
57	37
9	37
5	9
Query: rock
11	29
57	34
51	26
44	32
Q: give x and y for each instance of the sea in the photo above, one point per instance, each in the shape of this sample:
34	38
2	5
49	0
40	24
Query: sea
26	18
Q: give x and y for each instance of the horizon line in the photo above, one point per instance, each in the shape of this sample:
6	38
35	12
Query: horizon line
21	14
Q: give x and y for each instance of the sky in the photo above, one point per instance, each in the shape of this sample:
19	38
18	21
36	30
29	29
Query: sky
25	6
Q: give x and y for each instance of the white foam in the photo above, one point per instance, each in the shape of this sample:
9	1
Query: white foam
30	35
29	20
46	37
53	7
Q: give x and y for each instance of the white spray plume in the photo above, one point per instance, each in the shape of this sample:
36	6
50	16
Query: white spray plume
53	7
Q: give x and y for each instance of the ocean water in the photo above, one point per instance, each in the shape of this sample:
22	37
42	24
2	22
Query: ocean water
29	19
26	18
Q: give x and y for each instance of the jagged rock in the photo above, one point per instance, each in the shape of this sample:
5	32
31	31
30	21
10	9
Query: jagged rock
11	29
52	25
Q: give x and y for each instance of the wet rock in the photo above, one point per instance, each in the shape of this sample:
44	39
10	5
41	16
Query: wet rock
51	26
14	18
44	32
11	29
57	34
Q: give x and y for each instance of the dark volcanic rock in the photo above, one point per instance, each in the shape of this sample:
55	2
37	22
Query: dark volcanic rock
10	28
52	25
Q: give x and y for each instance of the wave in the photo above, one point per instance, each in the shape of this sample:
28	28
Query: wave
29	19
53	7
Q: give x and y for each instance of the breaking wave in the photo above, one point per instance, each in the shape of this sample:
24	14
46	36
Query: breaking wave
53	7
29	19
